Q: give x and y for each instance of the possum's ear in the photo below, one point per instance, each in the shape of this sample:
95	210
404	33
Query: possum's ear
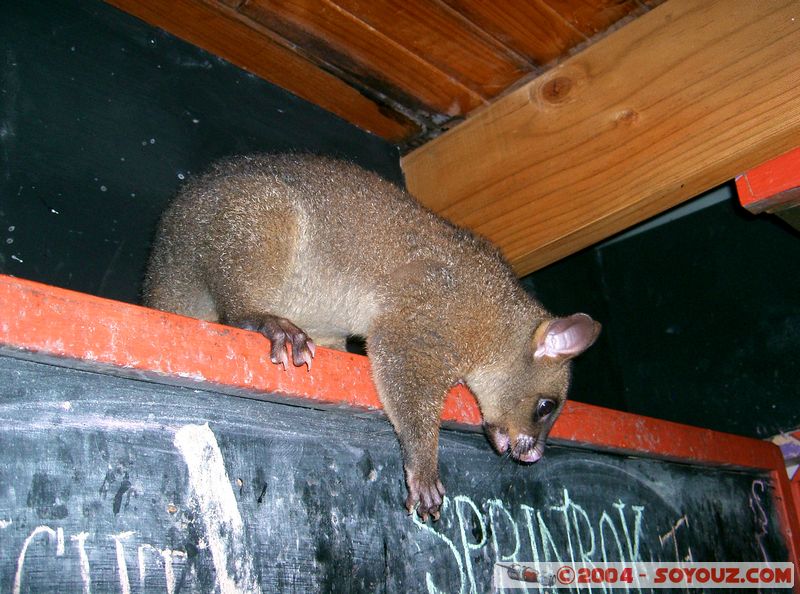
564	338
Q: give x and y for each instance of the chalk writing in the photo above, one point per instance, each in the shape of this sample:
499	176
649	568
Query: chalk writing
567	518
86	576
671	535
21	559
427	528
461	502
495	507
213	496
167	556
122	566
757	489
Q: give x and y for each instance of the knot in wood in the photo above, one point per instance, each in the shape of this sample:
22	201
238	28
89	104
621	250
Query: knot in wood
557	89
627	117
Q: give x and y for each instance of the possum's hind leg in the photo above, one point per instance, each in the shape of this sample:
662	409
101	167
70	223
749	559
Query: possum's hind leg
173	283
337	343
251	267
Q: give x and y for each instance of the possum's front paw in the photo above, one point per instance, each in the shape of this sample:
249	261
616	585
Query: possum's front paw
426	490
281	331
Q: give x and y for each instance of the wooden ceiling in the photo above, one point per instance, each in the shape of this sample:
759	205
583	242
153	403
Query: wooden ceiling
571	136
404	69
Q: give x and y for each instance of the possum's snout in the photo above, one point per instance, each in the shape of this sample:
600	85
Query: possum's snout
525	448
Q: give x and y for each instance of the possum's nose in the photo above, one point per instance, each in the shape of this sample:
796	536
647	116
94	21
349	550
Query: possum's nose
524	448
528	448
531	455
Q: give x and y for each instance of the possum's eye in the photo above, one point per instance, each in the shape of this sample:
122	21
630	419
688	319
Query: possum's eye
545	407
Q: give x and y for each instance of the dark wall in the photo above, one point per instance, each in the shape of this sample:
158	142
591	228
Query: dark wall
701	318
103	117
572	285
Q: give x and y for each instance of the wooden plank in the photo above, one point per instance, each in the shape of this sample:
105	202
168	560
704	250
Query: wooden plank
213	28
594	16
773	185
55	323
444	38
652	115
332	36
530	27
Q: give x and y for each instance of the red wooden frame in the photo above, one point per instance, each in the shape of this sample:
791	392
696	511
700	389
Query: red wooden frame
40	321
775	185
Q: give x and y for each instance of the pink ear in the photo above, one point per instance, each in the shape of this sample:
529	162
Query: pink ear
564	338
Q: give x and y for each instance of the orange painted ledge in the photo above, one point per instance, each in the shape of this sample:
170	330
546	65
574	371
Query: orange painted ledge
42	320
53	322
772	186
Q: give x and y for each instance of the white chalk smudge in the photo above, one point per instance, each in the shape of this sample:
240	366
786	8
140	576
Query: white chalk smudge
211	490
60	549
196	376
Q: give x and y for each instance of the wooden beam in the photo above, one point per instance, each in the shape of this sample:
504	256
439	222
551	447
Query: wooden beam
218	28
59	326
680	100
363	52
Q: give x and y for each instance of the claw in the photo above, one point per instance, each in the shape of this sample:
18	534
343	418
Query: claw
307	356
282	359
411	503
282	333
425	496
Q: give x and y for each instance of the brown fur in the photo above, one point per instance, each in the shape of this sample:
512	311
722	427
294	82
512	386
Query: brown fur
339	251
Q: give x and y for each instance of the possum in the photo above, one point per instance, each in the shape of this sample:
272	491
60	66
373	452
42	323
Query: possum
309	250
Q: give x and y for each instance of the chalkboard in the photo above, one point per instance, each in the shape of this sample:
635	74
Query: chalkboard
110	484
